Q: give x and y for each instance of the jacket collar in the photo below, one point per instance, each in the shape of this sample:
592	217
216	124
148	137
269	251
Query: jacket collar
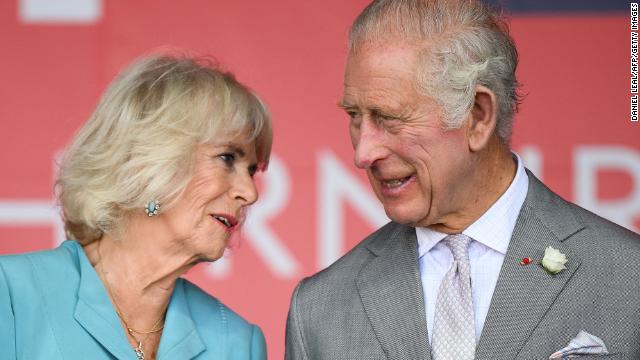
95	312
390	281
391	293
524	294
180	340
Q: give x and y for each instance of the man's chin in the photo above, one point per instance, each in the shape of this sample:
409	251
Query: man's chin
405	218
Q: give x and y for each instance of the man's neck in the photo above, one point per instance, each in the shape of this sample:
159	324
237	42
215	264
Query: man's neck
495	170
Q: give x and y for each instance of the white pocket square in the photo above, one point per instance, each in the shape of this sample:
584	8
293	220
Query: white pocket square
583	344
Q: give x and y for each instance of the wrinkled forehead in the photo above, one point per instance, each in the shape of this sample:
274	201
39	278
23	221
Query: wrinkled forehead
376	57
380	67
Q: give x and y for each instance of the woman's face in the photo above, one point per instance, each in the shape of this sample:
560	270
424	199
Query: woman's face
210	208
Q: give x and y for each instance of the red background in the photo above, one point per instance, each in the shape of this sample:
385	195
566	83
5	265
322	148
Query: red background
575	71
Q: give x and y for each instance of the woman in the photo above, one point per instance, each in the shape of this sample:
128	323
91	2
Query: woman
154	183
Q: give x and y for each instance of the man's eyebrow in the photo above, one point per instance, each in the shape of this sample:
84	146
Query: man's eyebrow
376	109
345	105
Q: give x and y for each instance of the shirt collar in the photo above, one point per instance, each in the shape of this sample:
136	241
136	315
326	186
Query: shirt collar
494	228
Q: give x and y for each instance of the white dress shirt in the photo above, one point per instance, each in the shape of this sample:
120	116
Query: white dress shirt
491	234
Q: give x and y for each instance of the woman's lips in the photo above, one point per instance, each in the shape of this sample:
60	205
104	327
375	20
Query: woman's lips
228	221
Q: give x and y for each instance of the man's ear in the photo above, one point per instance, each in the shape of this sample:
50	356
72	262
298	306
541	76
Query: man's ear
482	118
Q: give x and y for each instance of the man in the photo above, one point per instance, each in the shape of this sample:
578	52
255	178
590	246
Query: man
430	89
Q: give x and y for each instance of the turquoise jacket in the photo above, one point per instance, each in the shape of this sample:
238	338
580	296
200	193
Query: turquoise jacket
53	306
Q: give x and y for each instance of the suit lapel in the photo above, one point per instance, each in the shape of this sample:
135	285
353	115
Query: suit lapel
95	313
180	339
524	294
103	330
391	292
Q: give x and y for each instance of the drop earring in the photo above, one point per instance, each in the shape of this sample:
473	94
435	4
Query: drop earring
152	207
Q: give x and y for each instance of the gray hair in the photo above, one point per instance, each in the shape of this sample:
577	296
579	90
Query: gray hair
463	43
139	143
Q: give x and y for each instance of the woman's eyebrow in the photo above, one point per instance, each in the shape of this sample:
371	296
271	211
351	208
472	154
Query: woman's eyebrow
234	149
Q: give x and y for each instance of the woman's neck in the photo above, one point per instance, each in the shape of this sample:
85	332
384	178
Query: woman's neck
140	276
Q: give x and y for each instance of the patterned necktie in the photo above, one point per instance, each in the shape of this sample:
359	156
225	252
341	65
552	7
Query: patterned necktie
453	326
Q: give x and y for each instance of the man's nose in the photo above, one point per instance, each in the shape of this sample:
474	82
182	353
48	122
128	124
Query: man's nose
369	143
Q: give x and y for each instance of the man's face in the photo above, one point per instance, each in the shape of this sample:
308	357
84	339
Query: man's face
416	168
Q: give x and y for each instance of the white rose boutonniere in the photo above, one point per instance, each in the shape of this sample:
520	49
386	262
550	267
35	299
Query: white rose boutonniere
553	260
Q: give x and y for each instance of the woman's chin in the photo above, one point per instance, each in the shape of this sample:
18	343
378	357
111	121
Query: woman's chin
210	256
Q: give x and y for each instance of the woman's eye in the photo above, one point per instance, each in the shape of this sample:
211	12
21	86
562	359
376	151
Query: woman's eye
253	169
227	158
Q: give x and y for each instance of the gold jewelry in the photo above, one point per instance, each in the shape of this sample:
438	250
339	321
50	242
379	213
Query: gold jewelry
157	326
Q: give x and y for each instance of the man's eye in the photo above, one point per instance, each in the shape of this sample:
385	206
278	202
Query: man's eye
383	117
355	121
352	114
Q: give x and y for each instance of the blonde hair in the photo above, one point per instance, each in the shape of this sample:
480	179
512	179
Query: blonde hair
140	142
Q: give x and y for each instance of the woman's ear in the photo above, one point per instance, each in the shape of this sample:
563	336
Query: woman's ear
482	118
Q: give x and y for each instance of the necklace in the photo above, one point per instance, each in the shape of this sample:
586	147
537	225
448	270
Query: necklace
157	326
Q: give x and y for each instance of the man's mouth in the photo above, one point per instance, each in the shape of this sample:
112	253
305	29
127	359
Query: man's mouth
394	183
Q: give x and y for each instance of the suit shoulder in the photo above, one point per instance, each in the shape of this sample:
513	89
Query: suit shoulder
222	328
607	232
209	313
582	228
34	281
49	263
347	267
595	239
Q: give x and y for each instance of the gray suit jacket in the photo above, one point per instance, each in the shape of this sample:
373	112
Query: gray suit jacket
369	304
